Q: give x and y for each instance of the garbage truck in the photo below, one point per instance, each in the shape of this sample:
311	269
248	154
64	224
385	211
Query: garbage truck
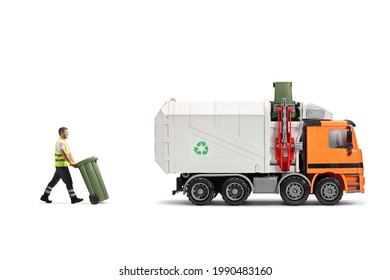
282	146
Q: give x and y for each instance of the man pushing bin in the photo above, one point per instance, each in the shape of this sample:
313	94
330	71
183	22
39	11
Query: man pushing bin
88	168
63	158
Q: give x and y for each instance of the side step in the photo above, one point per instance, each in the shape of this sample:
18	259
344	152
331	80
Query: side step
354	183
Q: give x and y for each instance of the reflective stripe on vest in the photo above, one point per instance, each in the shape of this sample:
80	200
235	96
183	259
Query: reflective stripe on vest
60	161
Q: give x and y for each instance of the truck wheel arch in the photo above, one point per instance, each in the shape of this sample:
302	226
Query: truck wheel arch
339	177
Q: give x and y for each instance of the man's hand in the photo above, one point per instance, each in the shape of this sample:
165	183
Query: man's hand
68	158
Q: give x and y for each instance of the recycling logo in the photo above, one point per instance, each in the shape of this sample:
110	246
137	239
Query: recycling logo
201	148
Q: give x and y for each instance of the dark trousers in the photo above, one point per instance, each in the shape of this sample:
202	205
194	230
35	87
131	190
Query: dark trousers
64	174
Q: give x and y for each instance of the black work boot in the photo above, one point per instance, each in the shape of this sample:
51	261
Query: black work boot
75	199
45	198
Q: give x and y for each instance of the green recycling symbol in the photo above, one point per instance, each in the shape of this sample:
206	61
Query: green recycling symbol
201	148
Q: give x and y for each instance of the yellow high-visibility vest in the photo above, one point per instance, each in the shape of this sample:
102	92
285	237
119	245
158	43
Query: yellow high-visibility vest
60	161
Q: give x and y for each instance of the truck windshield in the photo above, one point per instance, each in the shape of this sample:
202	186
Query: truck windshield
338	138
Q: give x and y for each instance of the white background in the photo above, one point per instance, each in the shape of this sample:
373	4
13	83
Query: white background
105	68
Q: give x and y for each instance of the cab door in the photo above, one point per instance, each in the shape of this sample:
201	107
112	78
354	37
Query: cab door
332	148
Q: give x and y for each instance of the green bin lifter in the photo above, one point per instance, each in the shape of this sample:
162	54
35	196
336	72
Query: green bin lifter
93	179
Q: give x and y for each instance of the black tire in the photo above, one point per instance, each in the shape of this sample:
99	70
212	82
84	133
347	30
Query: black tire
328	191
294	190
235	191
200	191
94	199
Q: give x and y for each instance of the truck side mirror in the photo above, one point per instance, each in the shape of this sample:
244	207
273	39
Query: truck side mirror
349	141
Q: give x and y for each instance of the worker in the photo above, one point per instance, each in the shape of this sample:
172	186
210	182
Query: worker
63	158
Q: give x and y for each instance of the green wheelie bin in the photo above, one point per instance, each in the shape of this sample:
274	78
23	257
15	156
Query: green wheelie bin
93	179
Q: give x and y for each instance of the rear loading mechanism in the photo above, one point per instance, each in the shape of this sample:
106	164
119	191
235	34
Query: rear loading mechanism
234	149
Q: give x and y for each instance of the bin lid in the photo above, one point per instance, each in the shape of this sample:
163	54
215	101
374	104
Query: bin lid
80	163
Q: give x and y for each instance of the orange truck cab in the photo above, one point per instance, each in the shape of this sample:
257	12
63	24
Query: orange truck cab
331	159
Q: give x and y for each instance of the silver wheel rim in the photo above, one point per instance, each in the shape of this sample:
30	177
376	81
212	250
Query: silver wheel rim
234	191
329	191
200	191
294	191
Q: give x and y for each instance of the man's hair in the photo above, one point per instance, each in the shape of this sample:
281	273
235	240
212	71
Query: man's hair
62	129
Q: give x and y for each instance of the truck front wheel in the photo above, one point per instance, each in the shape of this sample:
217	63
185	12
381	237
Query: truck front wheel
328	191
200	191
235	191
294	190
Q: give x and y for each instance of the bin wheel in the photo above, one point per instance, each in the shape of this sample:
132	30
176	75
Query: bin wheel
94	199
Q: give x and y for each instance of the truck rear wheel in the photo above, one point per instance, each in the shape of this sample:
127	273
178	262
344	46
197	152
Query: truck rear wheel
235	191
200	191
328	191
294	190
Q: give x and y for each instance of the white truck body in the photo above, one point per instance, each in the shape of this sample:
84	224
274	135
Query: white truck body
239	136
